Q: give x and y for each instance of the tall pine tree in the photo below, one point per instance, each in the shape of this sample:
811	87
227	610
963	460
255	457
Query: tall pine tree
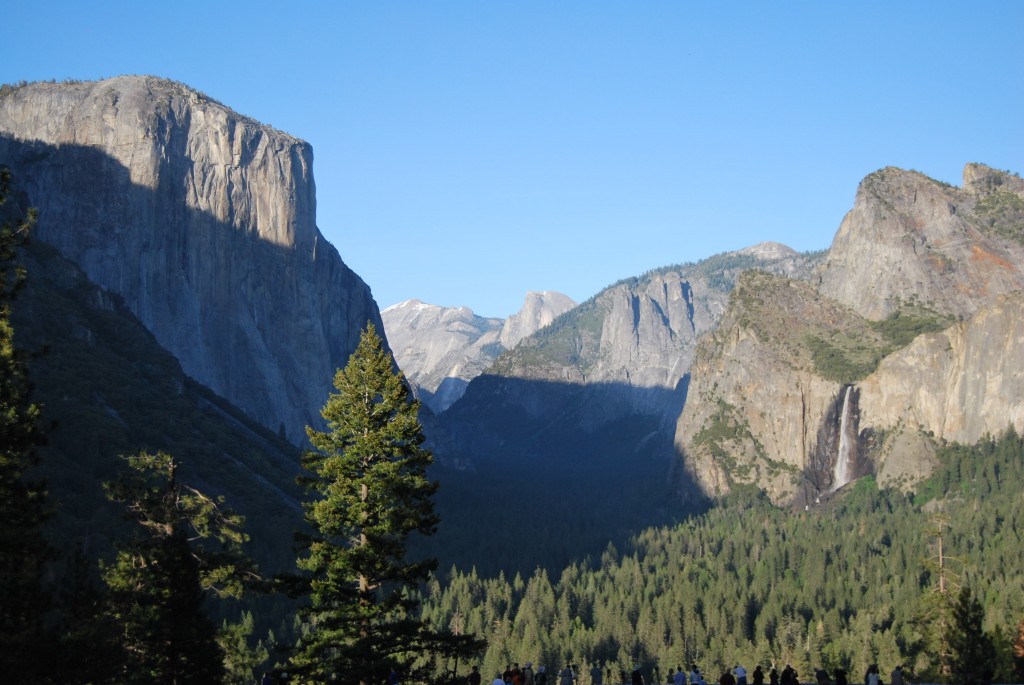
187	547
972	653
23	549
368	474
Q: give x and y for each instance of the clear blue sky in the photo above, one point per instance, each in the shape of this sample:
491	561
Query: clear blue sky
467	152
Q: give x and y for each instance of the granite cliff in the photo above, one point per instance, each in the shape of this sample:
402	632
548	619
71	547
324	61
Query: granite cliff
440	348
642	331
107	388
909	335
204	222
911	239
958	384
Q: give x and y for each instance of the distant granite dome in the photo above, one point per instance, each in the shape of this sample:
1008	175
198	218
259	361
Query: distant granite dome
204	221
769	250
538	310
441	349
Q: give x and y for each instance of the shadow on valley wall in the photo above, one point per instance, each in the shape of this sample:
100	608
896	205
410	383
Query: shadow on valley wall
107	389
533	473
263	325
539	473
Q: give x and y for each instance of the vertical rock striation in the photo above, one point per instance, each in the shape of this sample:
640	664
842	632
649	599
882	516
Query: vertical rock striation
959	384
204	221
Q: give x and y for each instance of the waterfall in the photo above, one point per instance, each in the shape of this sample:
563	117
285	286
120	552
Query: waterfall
841	471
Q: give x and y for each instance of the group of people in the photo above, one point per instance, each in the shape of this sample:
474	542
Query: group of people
513	675
788	676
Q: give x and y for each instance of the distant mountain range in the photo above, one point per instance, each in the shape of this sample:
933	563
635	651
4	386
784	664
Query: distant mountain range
795	373
177	251
441	349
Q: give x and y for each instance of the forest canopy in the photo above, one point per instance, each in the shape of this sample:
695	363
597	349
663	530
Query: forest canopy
851	583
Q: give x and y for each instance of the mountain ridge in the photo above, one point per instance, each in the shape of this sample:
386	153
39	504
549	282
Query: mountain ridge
930	240
440	349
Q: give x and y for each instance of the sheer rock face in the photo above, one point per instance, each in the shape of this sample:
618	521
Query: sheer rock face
909	238
960	384
649	331
762	409
643	332
755	397
204	221
639	334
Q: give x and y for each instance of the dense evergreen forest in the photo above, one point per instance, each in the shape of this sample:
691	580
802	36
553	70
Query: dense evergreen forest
850	583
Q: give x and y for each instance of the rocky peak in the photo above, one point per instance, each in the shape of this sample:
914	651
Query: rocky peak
769	251
539	309
911	239
204	221
983	180
440	349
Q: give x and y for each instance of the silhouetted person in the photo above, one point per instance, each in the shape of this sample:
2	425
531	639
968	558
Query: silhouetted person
566	676
872	677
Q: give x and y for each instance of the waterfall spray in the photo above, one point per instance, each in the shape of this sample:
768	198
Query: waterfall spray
841	471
